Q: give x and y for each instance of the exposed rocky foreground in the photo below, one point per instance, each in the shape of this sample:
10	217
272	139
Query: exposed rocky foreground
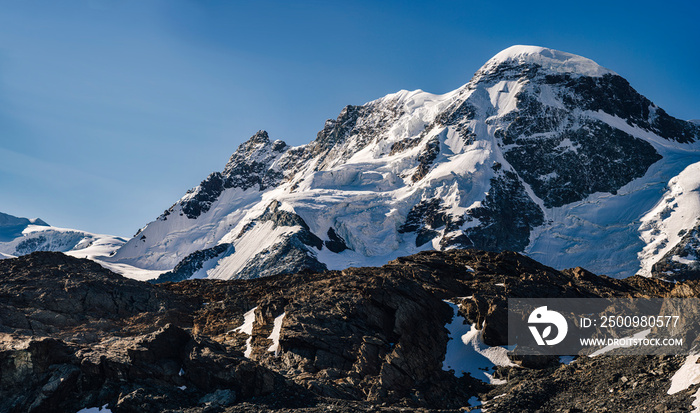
74	335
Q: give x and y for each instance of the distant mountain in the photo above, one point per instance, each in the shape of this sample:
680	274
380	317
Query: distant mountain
11	227
542	152
21	236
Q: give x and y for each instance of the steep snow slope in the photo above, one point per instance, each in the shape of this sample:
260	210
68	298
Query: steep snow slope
671	230
542	151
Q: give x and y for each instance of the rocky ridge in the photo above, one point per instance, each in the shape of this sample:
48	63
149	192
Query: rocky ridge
73	335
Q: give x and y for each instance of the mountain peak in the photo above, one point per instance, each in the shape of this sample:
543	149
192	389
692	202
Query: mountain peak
490	165
260	136
554	60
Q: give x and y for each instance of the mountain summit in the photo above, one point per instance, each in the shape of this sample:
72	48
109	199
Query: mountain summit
542	152
548	59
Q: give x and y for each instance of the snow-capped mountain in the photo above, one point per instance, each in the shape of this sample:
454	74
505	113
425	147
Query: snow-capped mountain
21	236
542	152
11	227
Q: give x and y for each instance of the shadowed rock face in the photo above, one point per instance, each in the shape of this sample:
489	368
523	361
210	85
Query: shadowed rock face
192	263
74	335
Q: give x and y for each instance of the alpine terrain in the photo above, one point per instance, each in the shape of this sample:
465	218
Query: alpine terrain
422	333
21	236
542	152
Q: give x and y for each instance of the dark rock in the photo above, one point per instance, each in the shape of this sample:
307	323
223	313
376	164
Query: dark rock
193	263
506	216
219	398
293	253
426	158
202	196
568	166
249	166
336	243
356	340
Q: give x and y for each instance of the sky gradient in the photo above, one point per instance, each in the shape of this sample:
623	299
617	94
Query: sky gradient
110	110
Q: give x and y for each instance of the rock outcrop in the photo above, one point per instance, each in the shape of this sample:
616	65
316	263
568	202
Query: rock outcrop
74	335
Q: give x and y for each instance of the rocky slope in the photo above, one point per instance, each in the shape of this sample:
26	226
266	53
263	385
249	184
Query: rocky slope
542	152
74	335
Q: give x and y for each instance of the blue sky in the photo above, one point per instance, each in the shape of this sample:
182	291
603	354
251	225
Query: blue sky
110	110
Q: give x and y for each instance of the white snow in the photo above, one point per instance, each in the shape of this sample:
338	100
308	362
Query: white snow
567	145
687	260
467	353
5	256
262	236
679	209
247	328
76	243
503	96
248	347
48	238
129	271
553	60
248	321
165	242
686	376
275	335
603	232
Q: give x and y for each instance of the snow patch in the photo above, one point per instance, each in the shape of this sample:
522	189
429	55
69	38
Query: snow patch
248	321
686	376
247	328
467	353
275	335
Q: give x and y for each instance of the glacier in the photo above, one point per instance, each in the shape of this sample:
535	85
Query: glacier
542	152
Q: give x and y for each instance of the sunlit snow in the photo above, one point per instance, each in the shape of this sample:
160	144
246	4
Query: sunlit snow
467	353
275	335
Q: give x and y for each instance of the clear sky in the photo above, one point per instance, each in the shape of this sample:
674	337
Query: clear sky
111	109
